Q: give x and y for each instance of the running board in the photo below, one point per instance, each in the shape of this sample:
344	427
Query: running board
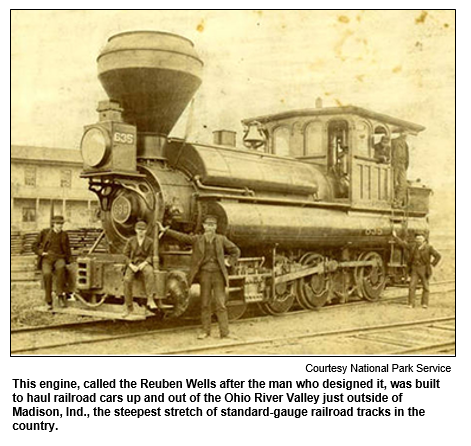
104	311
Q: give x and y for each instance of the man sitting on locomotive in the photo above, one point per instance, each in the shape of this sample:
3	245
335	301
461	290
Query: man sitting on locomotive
209	267
139	251
420	265
53	249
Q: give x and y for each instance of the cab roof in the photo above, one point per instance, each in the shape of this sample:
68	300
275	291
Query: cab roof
348	109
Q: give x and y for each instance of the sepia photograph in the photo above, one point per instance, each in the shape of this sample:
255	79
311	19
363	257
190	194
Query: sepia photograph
232	182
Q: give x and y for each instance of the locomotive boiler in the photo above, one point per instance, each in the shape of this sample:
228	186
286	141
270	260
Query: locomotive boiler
304	197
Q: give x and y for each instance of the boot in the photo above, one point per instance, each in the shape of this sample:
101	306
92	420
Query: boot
162	306
151	303
127	311
62	299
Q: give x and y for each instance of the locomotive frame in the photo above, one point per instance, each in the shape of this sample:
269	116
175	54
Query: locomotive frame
305	199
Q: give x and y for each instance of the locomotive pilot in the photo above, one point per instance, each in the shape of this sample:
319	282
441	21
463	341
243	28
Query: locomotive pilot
139	251
208	266
52	247
419	265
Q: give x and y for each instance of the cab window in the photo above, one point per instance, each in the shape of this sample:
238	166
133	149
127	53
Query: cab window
362	143
281	137
313	139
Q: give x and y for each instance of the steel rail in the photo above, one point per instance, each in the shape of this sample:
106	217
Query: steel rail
117	321
253	342
429	348
178	328
348	331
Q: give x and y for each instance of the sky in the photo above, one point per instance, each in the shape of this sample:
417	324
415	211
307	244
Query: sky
401	63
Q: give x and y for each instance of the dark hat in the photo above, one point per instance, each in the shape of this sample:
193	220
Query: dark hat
57	219
210	218
141	225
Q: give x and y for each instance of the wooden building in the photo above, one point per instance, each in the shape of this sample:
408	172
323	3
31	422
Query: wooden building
45	181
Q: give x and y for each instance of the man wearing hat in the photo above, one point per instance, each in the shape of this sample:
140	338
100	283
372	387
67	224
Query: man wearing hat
209	268
382	150
400	164
420	265
139	251
52	247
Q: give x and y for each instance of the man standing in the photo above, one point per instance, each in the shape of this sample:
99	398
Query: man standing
139	251
420	265
52	247
400	164
382	150
209	267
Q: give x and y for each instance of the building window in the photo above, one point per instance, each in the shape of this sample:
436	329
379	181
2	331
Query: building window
29	214
30	176
66	178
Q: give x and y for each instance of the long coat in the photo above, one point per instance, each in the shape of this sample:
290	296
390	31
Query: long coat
41	244
132	245
426	254
223	244
399	153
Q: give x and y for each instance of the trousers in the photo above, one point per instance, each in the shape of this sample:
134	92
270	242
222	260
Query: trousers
148	274
53	266
419	273
400	184
213	290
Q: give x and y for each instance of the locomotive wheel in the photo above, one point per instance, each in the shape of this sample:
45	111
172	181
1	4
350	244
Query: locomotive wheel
284	300
372	279
357	276
312	292
342	286
236	311
179	291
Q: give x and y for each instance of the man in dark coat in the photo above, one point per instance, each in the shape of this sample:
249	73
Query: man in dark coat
209	268
400	164
52	247
420	265
382	150
139	251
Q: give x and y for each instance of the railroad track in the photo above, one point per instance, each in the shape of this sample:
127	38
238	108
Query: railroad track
106	323
24	341
370	333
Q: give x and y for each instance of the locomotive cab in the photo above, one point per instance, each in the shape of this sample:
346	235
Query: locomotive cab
343	142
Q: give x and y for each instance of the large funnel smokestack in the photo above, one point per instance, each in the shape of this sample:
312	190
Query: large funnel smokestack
153	75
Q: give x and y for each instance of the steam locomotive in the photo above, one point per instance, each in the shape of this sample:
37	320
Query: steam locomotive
304	198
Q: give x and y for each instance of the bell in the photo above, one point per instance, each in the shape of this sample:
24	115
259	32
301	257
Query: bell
254	138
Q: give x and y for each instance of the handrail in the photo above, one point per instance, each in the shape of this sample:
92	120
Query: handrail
200	185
